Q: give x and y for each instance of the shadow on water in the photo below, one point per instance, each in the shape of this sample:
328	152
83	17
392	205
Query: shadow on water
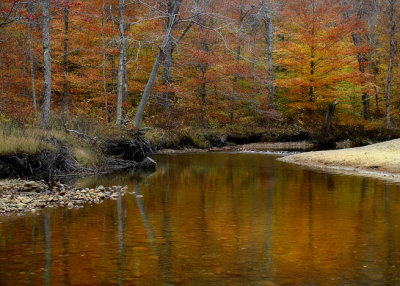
213	219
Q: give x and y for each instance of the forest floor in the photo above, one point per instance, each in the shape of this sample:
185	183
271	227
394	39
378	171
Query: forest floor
377	160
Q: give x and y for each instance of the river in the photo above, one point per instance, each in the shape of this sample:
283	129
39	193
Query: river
214	219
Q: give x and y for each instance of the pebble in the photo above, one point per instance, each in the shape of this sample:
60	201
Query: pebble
23	195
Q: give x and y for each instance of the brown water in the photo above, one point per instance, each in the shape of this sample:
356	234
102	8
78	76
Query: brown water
214	219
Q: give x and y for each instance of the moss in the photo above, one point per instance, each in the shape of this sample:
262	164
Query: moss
200	141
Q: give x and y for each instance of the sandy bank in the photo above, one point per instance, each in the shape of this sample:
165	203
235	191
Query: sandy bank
377	160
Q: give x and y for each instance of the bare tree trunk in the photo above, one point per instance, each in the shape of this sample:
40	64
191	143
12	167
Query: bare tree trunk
47	65
122	50
1	77
104	61
312	54
329	117
66	61
392	28
362	61
203	87
238	55
32	67
167	59
147	90
269	38
173	10
24	87
125	97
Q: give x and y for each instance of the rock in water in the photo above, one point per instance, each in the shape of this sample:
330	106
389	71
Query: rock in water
148	164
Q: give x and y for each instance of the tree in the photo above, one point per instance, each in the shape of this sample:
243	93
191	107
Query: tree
171	11
47	64
121	59
316	55
392	31
269	38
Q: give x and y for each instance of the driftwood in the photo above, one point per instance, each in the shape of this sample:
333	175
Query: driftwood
82	135
133	150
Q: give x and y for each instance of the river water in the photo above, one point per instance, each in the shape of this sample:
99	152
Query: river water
214	219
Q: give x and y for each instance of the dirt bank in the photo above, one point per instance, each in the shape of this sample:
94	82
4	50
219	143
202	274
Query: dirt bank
377	160
256	147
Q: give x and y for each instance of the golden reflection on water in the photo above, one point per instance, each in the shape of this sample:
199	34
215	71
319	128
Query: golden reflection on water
214	219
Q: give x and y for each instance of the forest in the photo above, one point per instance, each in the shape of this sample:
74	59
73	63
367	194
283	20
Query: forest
201	64
196	142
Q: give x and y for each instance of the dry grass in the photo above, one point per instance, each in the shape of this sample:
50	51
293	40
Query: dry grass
21	142
33	141
381	157
85	156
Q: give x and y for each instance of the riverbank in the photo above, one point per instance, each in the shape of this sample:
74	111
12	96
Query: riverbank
19	196
257	138
51	154
381	160
253	147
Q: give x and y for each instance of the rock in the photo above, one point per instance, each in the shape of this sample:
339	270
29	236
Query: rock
101	188
148	164
70	205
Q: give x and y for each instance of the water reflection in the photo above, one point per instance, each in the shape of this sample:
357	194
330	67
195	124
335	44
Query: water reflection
47	247
214	219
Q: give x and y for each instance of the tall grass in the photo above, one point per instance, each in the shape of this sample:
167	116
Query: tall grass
21	141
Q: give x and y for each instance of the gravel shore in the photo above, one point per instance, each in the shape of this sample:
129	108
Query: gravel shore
17	196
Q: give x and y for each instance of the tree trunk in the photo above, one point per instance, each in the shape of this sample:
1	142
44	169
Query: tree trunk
168	50
238	55
121	62
147	90
167	64
312	56
362	61
24	87
392	28
1	78
173	10
66	61
32	65
47	65
104	62
269	38
203	86
329	117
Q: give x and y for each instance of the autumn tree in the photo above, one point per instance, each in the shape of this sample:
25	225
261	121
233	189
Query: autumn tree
317	55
